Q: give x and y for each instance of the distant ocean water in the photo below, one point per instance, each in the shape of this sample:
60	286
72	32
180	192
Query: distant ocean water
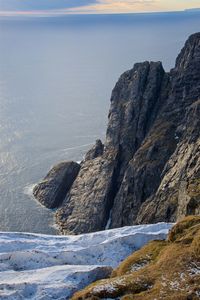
56	77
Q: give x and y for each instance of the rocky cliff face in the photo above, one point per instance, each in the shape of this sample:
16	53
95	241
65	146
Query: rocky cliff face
148	169
156	185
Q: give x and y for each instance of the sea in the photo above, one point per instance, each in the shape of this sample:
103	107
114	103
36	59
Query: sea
56	78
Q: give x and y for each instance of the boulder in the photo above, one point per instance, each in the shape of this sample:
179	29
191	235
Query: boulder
87	205
51	191
95	151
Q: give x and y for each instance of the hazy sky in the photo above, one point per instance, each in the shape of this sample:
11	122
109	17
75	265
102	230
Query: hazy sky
92	6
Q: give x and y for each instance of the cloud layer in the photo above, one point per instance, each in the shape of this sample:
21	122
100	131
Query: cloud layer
29	5
117	6
17	7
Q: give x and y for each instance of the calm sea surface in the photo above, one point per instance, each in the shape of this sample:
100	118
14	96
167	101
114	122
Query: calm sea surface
56	77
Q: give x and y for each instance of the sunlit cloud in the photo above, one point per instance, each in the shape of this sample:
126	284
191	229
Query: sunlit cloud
118	6
130	6
59	7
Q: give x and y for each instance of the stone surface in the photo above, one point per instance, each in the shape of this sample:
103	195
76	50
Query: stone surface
53	188
95	151
178	194
87	205
156	185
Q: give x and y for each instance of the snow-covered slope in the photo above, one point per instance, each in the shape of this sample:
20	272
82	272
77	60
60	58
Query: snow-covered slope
34	266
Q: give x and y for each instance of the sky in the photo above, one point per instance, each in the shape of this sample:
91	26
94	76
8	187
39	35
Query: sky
51	7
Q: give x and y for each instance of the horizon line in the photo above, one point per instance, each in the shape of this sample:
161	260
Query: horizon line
56	13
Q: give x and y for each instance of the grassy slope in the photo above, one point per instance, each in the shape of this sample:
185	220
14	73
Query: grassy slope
160	270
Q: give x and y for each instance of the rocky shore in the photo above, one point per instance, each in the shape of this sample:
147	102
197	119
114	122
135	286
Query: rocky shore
148	169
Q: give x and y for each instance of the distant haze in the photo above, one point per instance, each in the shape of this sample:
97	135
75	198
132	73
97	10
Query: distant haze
46	7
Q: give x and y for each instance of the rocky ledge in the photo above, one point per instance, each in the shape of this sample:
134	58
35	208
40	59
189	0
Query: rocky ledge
148	169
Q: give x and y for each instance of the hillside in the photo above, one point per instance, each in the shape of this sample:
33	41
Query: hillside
160	270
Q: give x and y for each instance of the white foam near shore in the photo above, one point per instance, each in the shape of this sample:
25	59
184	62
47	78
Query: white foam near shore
28	190
35	266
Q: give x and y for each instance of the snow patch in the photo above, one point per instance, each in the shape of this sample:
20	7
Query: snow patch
194	269
45	267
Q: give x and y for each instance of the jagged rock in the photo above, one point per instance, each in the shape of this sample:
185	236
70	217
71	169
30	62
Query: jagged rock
135	101
53	188
148	168
86	207
179	192
95	151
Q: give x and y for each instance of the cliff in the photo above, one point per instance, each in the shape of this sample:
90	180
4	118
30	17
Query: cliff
148	169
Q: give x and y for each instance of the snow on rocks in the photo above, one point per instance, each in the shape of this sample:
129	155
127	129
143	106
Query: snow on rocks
35	266
194	269
139	266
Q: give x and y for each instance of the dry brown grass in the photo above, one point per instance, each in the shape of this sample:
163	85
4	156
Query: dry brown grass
167	270
184	229
145	256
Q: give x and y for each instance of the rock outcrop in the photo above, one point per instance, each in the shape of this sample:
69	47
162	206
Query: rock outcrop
87	205
148	169
52	190
95	151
